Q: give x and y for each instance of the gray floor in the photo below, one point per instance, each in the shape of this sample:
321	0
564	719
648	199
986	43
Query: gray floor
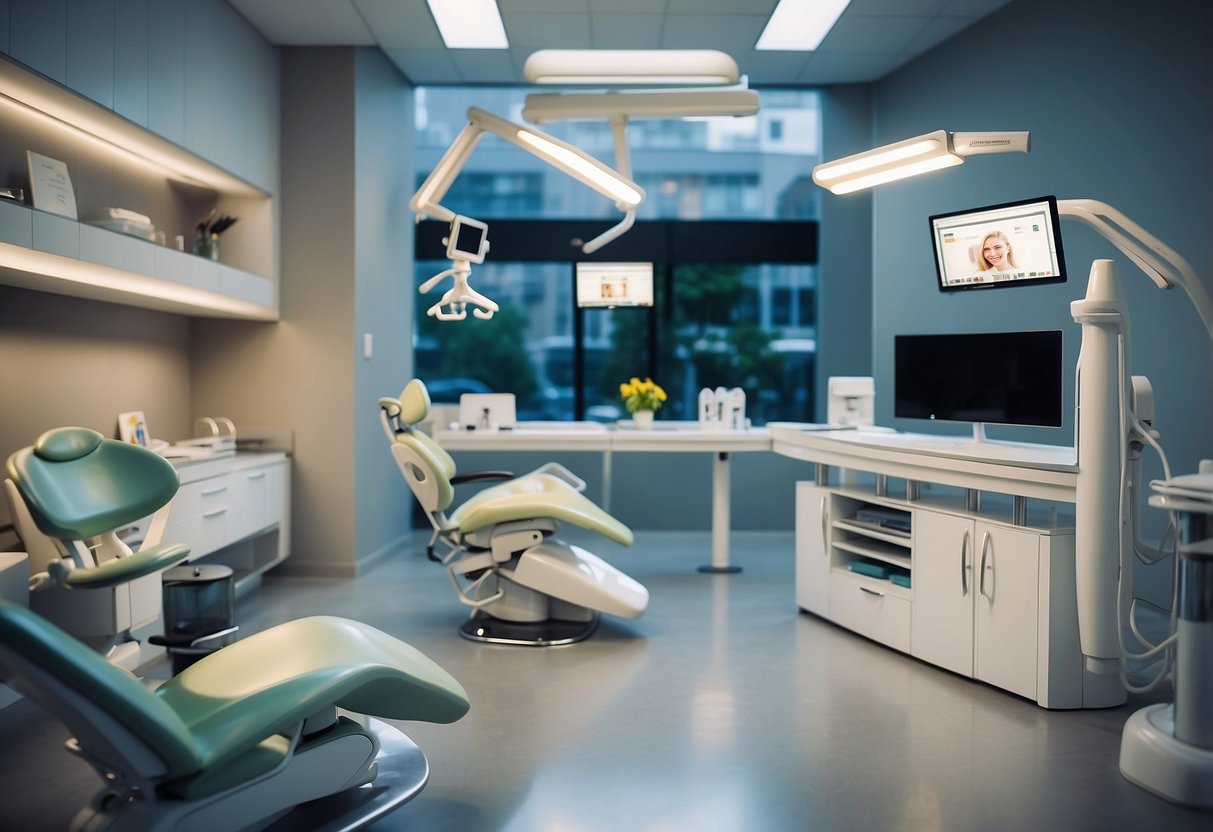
721	709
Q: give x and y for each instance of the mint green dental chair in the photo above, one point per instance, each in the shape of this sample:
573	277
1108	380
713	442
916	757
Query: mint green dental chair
70	494
249	736
524	585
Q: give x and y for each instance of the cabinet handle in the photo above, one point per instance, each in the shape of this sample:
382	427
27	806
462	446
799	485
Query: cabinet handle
214	512
259	475
966	566
825	525
986	548
871	592
211	492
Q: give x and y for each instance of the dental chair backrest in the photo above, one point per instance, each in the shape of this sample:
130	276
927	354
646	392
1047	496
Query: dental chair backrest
426	466
78	484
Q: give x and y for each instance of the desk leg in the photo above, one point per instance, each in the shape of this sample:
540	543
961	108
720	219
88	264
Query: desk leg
720	517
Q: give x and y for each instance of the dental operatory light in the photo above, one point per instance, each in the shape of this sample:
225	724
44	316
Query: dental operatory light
911	157
618	67
469	24
800	25
626	195
619	108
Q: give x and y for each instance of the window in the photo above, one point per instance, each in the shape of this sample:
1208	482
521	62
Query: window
736	324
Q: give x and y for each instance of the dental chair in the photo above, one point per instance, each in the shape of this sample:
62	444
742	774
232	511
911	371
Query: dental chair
70	494
523	584
244	736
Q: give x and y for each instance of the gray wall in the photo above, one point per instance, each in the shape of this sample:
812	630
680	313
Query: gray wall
1119	99
347	244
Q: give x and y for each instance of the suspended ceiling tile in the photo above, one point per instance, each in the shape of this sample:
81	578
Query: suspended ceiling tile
845	68
625	31
509	7
485	66
771	67
401	24
598	7
325	24
426	66
872	34
548	31
755	7
939	30
730	33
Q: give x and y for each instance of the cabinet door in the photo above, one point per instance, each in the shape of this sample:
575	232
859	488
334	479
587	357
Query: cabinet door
944	589
812	548
1006	616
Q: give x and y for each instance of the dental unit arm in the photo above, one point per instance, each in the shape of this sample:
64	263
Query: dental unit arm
426	203
1104	423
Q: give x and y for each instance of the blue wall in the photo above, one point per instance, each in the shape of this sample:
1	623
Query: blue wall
1118	97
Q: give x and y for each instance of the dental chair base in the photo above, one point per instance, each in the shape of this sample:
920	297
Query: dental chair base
550	594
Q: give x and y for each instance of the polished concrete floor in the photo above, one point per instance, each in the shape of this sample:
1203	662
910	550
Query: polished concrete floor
721	709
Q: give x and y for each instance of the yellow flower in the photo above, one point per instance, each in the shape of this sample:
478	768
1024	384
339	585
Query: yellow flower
641	395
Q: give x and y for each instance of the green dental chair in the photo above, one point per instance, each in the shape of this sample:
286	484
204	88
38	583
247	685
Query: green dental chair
69	495
249	737
524	585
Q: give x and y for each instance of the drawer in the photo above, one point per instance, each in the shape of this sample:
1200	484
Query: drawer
259	495
869	607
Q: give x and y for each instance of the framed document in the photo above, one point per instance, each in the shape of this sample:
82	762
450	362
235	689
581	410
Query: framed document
50	185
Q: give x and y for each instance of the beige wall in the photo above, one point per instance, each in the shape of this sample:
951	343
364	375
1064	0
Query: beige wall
66	361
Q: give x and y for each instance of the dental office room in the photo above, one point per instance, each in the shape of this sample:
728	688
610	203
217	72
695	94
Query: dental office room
658	415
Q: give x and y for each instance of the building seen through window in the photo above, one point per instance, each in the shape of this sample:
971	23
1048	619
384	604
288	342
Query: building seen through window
749	325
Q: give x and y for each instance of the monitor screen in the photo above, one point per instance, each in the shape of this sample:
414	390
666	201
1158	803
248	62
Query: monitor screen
467	240
1009	378
1013	244
608	285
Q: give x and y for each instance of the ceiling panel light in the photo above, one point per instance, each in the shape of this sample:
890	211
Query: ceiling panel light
800	25
469	24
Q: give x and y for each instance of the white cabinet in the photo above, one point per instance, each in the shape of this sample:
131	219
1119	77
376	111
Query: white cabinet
967	591
943	572
1006	638
812	549
234	511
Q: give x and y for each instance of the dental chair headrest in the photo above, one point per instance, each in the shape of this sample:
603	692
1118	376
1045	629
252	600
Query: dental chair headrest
414	402
63	444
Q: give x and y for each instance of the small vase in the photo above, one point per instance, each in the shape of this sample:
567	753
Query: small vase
643	419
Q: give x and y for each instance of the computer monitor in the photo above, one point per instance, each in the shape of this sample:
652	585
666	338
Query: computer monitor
607	285
1008	378
1013	244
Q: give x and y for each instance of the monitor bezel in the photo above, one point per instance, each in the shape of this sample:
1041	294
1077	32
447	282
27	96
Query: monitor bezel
1054	218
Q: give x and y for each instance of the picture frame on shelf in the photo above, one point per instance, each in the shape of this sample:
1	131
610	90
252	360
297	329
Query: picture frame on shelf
51	185
132	428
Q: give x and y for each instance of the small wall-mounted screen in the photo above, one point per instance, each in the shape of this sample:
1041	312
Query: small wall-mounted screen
606	285
1008	378
1013	244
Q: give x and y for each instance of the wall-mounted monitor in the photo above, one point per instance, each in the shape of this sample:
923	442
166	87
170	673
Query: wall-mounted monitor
606	285
1013	244
1009	378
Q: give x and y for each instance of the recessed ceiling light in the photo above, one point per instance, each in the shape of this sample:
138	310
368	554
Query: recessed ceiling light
469	24
800	25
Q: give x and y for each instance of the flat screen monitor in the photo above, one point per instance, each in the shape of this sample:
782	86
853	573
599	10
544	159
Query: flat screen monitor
1008	378
1013	244
606	285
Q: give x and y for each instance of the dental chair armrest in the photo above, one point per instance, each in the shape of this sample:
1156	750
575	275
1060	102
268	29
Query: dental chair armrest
269	681
482	476
124	570
561	473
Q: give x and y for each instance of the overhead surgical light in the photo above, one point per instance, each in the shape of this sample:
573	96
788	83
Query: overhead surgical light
619	108
614	67
578	164
911	157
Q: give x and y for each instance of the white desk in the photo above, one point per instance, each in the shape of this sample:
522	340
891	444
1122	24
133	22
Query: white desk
665	437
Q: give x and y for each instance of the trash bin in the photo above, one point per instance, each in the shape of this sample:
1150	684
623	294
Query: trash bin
199	612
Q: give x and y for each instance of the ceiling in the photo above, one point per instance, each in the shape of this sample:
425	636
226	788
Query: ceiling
872	38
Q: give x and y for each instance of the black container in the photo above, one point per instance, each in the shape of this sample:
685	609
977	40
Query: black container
199	612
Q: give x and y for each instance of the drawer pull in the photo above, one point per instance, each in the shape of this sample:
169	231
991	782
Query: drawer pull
211	492
259	475
214	512
871	592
